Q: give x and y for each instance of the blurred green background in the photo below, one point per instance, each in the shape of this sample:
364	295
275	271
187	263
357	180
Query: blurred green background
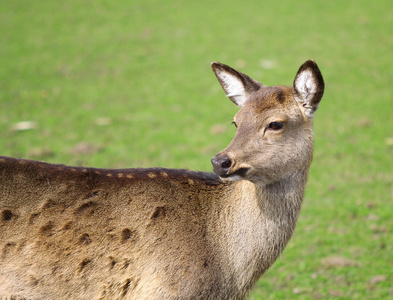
118	84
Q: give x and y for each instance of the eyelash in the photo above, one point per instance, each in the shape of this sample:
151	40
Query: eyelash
234	123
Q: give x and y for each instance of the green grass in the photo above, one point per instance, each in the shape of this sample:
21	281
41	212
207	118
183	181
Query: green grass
126	84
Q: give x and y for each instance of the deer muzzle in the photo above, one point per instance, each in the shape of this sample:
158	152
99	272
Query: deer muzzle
223	167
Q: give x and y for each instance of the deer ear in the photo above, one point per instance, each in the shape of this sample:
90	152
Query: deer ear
235	84
309	87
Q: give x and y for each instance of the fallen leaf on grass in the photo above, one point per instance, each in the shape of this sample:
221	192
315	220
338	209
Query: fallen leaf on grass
378	229
371	205
339	279
372	217
24	125
336	261
103	121
365	122
377	279
40	153
297	291
289	277
336	293
268	64
85	148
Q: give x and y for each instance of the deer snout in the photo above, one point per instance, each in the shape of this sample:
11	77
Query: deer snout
221	164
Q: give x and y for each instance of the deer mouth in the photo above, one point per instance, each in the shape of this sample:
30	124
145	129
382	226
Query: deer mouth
225	167
236	175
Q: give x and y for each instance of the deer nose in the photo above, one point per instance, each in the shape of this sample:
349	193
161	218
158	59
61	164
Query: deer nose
221	164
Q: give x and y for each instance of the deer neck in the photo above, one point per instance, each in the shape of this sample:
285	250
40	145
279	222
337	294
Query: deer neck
259	222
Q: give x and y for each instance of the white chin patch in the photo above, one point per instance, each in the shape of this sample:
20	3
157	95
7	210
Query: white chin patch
232	178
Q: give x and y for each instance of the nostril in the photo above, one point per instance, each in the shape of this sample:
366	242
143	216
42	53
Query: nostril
221	165
226	164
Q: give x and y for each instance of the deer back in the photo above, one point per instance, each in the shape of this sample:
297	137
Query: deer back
103	232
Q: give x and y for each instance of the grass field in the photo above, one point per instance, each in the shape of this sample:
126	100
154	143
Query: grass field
128	84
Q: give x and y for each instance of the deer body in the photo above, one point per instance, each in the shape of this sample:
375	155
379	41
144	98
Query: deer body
85	233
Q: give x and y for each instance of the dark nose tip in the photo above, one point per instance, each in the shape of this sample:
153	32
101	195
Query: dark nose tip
221	165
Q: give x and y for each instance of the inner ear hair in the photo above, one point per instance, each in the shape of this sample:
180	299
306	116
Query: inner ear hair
236	85
309	87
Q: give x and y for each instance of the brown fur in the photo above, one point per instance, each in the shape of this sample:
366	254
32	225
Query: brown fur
85	233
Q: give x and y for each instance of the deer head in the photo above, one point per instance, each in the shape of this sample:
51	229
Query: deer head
274	125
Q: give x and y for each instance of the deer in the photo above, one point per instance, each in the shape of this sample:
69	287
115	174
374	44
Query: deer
155	233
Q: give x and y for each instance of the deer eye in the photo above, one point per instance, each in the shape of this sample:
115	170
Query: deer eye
276	125
234	123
